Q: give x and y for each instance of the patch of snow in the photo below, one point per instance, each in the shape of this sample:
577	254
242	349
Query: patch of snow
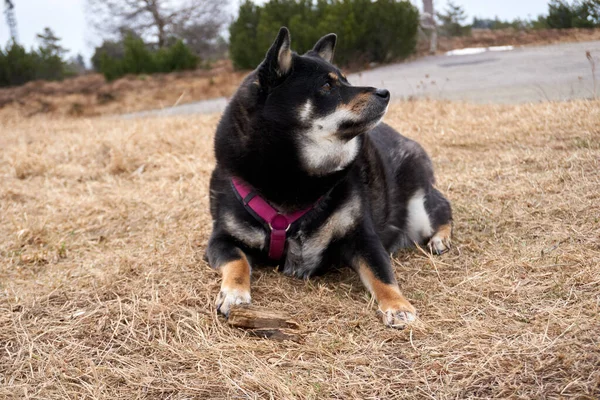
466	51
501	48
477	50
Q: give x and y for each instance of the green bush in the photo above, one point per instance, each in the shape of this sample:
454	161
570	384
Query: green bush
579	14
133	56
137	59
560	15
178	57
368	31
243	45
586	14
19	66
391	30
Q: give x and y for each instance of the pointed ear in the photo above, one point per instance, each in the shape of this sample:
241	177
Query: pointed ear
278	61
325	47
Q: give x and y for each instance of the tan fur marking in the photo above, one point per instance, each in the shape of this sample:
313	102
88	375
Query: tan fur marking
333	76
358	103
388	296
441	241
444	231
236	275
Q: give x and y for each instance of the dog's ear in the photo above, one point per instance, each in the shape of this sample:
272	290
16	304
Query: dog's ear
278	61
325	47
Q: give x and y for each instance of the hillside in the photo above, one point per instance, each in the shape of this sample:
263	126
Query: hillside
91	95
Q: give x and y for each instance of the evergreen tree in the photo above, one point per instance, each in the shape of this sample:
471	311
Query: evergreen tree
560	15
243	37
451	21
380	31
50	64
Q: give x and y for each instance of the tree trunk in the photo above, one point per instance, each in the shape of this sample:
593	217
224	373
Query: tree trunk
428	6
430	24
152	7
161	35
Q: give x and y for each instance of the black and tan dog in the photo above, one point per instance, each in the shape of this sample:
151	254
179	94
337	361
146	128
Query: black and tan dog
308	179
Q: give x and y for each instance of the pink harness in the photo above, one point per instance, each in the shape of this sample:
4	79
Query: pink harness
278	223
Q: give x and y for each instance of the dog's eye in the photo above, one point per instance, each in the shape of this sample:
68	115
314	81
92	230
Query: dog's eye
326	87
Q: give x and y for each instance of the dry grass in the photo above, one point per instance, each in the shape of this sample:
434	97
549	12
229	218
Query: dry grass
104	294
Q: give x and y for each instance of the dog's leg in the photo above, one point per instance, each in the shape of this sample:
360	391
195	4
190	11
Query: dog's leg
235	271
376	273
440	214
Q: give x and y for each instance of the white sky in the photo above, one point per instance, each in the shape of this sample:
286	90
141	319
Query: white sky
67	19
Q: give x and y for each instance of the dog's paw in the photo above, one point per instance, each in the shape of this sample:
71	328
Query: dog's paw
230	297
438	245
441	242
399	314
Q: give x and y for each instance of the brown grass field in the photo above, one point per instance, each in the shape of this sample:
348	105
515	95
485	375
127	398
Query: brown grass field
104	294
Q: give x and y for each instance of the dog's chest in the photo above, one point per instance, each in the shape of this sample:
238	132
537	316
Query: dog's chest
305	247
305	250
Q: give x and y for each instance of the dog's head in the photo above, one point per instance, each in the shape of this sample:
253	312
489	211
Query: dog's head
303	108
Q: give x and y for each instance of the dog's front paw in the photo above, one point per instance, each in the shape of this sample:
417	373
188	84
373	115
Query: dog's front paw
230	297
398	313
441	241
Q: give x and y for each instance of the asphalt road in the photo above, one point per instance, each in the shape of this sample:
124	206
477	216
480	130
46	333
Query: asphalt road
527	74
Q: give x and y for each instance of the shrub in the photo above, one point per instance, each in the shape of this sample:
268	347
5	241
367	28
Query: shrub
19	66
560	15
137	58
368	31
243	46
178	57
133	56
579	14
391	30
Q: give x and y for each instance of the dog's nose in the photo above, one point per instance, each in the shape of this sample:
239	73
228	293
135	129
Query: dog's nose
383	93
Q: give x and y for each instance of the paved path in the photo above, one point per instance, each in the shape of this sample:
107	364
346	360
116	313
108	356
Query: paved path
528	74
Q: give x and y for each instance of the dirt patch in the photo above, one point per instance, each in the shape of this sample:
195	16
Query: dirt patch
104	293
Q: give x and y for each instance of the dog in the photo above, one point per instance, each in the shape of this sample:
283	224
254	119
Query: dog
308	178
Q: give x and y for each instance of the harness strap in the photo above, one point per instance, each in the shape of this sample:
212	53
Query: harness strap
278	223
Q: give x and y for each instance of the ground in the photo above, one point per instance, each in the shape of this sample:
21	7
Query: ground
104	293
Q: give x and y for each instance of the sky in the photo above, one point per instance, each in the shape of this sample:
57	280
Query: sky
67	19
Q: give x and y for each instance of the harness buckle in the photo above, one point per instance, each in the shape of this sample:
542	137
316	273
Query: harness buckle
278	223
